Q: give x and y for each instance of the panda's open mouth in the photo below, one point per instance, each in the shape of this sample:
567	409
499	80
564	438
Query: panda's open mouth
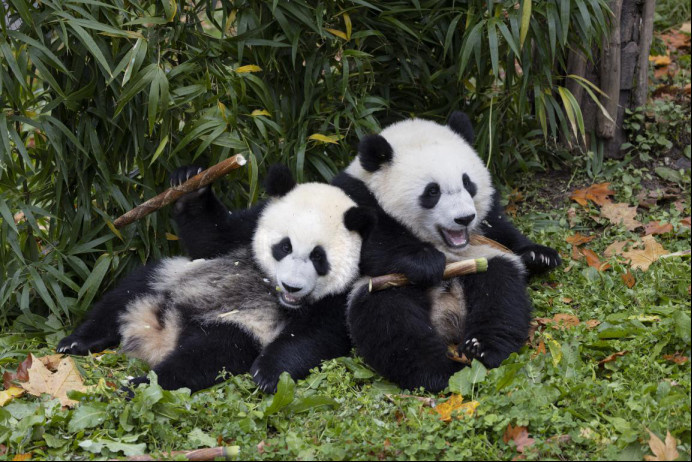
289	301
455	239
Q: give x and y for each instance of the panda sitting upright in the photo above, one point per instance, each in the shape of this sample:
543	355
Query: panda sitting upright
192	318
432	191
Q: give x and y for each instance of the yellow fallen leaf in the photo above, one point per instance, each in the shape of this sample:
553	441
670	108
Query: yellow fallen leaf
661	450
455	403
333	139
554	347
8	395
260	112
660	60
24	456
642	259
171	237
58	383
621	213
248	68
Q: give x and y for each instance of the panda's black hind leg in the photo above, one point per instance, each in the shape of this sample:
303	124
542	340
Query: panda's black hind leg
100	330
392	331
498	312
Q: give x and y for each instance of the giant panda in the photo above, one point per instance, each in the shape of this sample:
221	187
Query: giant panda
431	191
274	302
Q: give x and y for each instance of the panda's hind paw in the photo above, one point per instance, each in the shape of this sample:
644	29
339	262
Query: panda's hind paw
265	379
474	349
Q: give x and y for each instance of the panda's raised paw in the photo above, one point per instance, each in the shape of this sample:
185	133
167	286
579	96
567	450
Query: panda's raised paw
539	258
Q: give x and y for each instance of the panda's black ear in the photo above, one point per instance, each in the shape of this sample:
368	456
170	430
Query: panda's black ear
361	220
460	123
373	151
279	180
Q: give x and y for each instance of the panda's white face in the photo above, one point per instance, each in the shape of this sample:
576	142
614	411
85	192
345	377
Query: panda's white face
435	183
303	245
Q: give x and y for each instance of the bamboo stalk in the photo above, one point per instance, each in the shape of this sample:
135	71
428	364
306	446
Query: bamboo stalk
459	268
198	181
610	74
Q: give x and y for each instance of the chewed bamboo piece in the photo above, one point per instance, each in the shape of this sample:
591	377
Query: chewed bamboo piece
459	268
198	181
479	239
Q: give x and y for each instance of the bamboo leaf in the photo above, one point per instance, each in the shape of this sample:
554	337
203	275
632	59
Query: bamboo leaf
525	21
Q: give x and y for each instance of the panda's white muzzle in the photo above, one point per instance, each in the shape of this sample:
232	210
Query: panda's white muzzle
296	278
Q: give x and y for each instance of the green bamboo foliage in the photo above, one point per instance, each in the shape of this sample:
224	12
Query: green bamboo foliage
100	100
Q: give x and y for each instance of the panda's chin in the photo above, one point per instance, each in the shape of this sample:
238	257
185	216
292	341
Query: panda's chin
456	239
290	301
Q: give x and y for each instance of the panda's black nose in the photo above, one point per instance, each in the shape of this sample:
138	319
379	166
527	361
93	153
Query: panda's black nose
291	289
465	220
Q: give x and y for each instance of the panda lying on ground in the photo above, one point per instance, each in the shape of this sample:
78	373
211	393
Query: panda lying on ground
192	318
431	191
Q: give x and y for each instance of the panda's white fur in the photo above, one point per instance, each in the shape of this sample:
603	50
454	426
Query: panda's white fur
311	215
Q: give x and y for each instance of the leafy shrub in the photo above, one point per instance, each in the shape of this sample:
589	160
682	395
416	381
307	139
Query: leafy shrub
101	99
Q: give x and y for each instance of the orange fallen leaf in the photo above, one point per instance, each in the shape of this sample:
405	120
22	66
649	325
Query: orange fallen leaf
540	349
559	321
677	358
455	404
611	358
687	221
628	279
579	239
592	323
621	213
688	89
520	436
676	40
642	259
615	248
657	227
21	375
65	378
25	456
661	450
576	253
660	60
596	193
593	260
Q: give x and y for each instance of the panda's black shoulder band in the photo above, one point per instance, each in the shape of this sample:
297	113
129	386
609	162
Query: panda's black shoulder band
373	151
360	219
460	123
279	180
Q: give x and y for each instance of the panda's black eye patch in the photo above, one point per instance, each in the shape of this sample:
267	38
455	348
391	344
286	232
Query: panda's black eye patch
319	260
282	248
469	185
431	196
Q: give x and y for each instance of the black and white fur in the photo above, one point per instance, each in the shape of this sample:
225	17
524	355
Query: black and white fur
191	319
432	191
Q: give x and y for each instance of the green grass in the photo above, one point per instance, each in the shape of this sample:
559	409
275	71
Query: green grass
343	412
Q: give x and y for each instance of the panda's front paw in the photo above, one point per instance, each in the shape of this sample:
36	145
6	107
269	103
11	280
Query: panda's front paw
179	176
426	268
265	374
129	389
539	258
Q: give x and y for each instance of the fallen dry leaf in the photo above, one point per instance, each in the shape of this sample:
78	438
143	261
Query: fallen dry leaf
596	193
24	456
579	239
677	358
615	248
628	279
642	259
572	217
687	221
676	40
576	253
660	60
58	383
621	213
455	404
657	227
662	451
520	436
21	375
611	358
593	260
8	395
592	323
559	321
566	300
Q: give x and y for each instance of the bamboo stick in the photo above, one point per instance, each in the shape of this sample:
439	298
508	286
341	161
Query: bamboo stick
198	181
459	268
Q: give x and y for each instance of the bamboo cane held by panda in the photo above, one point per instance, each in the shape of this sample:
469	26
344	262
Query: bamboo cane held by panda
198	181
459	268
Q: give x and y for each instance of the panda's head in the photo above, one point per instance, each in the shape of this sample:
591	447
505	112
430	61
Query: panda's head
308	238
428	177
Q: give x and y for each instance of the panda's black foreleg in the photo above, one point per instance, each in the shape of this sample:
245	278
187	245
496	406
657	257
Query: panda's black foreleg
205	225
309	337
537	258
498	312
202	353
392	331
100	330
